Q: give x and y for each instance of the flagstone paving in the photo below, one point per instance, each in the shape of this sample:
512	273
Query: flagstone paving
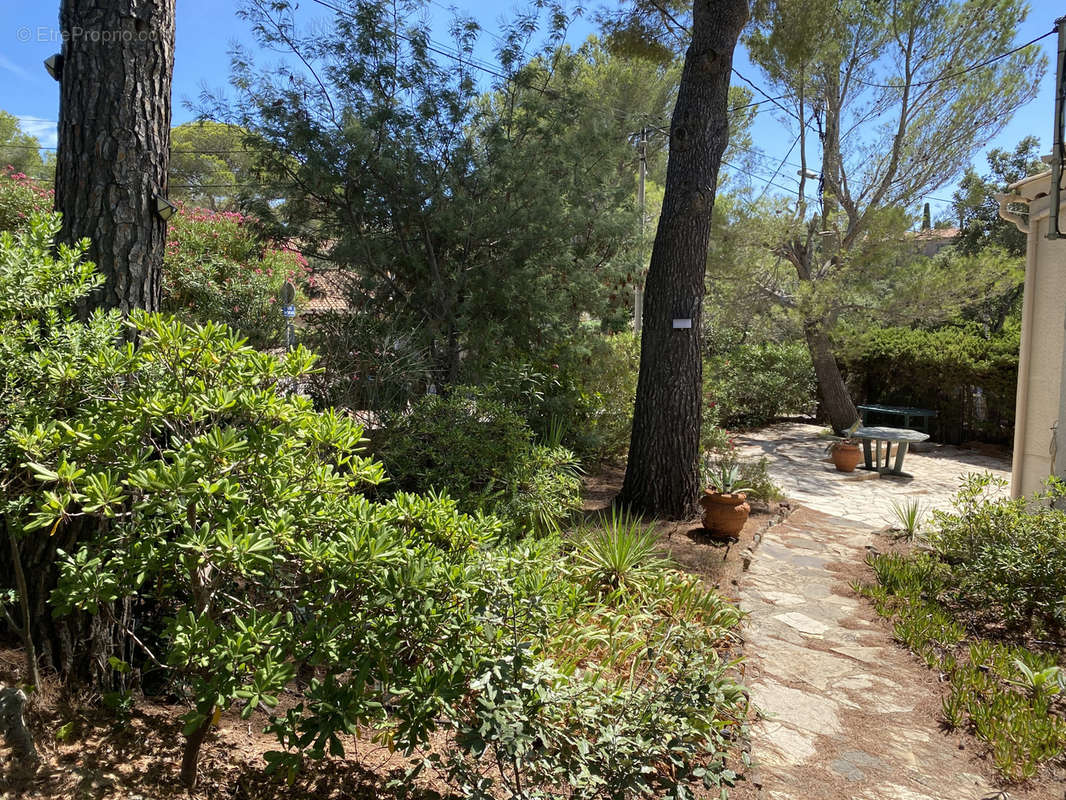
845	712
797	463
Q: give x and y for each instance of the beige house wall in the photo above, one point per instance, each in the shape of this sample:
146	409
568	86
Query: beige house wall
1041	402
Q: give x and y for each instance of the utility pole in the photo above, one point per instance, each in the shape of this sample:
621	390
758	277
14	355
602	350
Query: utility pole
638	289
1058	156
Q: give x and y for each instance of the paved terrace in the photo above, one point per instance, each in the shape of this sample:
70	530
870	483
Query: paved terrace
798	465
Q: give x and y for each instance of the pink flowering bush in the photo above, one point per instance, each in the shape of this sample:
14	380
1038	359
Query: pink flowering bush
20	196
219	267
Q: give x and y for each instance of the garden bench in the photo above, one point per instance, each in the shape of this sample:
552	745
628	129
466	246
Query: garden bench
908	413
901	437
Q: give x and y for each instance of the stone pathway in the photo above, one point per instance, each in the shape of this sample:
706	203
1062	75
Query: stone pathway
797	464
849	715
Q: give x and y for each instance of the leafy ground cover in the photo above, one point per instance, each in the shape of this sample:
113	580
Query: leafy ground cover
982	603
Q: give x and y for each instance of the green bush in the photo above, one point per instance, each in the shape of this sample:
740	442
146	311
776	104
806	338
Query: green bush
219	268
222	527
624	695
754	384
581	395
482	453
20	199
940	369
1008	557
1022	729
365	363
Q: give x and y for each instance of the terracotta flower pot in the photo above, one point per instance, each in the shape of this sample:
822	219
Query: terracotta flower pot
724	514
846	457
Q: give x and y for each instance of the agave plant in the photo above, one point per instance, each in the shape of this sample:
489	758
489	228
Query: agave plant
620	552
723	477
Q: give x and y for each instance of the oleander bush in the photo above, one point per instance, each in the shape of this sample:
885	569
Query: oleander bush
20	198
218	267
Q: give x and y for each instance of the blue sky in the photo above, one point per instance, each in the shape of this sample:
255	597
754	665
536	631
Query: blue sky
206	29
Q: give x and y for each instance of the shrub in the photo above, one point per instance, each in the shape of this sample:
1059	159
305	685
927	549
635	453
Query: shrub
219	268
623	692
365	363
940	369
754	384
220	524
1008	557
20	199
1022	729
584	392
482	453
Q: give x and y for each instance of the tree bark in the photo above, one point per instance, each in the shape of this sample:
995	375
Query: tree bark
662	474
114	138
837	404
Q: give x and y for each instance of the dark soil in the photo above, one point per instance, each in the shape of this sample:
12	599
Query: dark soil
720	562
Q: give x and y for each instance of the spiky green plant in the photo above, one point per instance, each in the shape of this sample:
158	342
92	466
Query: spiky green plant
908	517
622	552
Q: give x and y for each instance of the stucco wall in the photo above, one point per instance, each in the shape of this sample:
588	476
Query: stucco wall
1045	289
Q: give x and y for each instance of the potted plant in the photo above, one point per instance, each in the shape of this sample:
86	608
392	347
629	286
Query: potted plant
845	453
724	501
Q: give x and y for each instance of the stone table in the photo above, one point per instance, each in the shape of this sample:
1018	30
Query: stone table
901	437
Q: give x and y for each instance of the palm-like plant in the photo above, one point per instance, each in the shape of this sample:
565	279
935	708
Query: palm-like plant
908	517
621	553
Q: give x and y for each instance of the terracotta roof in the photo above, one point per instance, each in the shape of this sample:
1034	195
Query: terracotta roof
937	233
332	290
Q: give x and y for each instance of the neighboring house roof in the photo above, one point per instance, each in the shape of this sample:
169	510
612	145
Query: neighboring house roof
933	240
937	233
332	291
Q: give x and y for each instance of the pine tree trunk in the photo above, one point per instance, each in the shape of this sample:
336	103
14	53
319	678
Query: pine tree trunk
662	475
114	138
837	404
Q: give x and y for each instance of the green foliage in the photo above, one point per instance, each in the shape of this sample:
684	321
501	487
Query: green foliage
753	384
939	369
211	164
626	696
481	452
621	552
586	386
722	477
183	478
19	151
365	363
1008	557
218	267
719	450
486	222
977	210
908	517
1022	730
20	198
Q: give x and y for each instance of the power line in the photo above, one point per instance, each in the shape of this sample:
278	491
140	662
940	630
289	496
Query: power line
961	72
